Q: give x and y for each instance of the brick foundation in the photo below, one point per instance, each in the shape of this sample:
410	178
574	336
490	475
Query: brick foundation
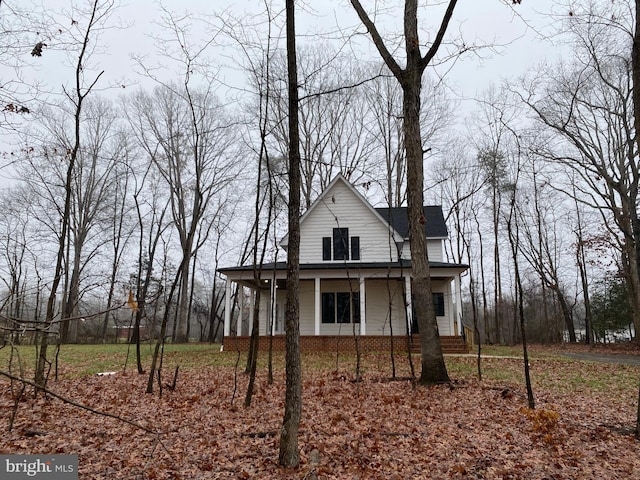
344	343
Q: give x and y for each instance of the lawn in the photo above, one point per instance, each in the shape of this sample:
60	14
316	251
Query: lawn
377	428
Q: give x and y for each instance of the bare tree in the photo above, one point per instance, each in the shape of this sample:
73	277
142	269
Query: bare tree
334	117
289	455
19	25
14	238
121	226
540	245
586	106
410	79
91	189
459	183
187	137
257	61
95	18
495	119
385	101
513	233
151	210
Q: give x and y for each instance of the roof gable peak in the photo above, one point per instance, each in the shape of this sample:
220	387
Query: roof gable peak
324	197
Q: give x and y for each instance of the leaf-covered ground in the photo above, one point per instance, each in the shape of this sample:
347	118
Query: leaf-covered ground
582	427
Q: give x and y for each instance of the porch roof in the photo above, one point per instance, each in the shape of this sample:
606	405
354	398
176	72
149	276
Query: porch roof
404	264
327	270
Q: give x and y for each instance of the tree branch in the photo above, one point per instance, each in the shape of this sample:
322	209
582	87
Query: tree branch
378	41
79	405
438	40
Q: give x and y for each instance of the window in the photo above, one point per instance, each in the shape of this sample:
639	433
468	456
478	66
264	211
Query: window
343	305
438	307
340	307
355	248
341	244
328	308
355	302
326	248
438	304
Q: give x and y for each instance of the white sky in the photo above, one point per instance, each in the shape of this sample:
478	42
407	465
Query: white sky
514	30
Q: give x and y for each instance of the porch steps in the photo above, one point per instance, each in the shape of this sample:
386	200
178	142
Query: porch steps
450	344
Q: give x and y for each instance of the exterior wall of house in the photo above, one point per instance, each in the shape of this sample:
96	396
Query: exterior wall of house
385	310
342	208
434	250
377	300
445	324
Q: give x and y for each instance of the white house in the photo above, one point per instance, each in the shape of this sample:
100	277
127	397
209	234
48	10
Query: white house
355	275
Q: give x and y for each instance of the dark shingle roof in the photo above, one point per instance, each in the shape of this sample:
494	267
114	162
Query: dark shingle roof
434	226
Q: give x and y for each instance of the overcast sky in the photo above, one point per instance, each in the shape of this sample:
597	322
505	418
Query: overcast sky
517	33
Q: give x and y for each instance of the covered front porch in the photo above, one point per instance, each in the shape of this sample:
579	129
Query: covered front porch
364	299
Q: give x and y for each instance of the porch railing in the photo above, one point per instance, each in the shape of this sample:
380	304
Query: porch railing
469	337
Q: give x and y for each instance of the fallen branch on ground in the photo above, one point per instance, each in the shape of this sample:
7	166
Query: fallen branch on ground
79	405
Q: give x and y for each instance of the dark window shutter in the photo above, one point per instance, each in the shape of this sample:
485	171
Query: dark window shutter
326	248
355	248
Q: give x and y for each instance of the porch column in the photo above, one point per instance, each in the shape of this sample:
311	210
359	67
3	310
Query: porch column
273	291
363	314
227	308
316	314
240	310
407	300
458	304
252	299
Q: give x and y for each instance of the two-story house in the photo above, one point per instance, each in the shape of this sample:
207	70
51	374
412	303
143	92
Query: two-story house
355	277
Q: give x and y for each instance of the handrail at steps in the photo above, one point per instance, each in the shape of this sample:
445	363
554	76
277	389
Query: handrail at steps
469	337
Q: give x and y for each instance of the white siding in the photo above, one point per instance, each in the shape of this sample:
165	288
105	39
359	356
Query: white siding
434	250
377	300
445	324
307	307
265	304
342	208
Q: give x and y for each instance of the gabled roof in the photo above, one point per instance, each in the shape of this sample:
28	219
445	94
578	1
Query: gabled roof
318	201
435	226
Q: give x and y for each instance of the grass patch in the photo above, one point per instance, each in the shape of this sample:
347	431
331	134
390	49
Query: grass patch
548	371
82	360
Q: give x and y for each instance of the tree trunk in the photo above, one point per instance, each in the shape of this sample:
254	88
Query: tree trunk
433	367
566	313
289	456
410	79
78	100
635	73
253	349
183	300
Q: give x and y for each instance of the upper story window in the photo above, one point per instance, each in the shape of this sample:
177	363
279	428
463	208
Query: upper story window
340	246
